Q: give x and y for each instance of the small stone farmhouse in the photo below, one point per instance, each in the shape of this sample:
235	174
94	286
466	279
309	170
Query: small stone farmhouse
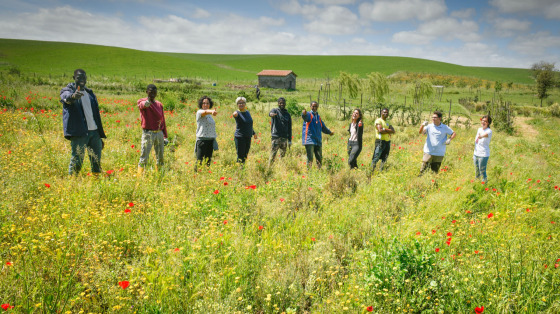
283	79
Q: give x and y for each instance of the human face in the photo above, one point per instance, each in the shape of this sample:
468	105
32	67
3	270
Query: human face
80	78
205	104
384	114
152	93
241	105
314	107
355	115
282	104
436	119
484	122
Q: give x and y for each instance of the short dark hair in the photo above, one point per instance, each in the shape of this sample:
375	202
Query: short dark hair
202	99
314	102
151	86
385	109
79	70
438	113
282	99
489	118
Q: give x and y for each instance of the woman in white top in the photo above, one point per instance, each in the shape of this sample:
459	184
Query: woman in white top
356	130
205	130
482	147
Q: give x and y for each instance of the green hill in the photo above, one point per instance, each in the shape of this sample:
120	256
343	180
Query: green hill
56	58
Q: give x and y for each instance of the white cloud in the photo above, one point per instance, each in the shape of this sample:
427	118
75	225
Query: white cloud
548	8
334	20
509	27
334	2
536	45
201	14
401	10
464	14
444	28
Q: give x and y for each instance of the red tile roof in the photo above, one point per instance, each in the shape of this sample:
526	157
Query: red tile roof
275	73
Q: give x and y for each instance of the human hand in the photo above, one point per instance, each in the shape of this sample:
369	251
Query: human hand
332	133
304	112
273	114
102	144
77	95
448	141
425	123
147	103
165	142
214	112
235	114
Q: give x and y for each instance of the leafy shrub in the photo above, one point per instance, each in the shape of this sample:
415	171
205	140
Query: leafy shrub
293	107
555	110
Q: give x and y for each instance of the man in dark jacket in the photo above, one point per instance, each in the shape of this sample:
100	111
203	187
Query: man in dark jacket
280	130
82	123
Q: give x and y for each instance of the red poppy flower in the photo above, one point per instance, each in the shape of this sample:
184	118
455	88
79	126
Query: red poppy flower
110	171
261	227
458	188
281	199
313	239
7	306
453	221
216	191
369	308
475	252
528	210
556	265
131	204
222	178
126	211
124	284
468	211
482	182
47	185
449	234
9	264
437	249
433	231
118	121
251	187
479	310
177	249
225	222
132	146
490	215
418	233
225	183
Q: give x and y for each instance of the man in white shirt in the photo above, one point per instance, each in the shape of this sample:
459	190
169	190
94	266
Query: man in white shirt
436	142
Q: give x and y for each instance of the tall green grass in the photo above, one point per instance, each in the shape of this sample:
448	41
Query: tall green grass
327	240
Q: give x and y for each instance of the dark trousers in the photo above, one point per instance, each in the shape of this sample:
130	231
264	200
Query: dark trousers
354	150
382	149
204	150
79	144
242	145
314	150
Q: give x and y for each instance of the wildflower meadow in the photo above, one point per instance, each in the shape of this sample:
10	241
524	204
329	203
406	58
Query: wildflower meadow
277	239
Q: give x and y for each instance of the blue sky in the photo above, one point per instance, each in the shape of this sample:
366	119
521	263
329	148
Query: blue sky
501	33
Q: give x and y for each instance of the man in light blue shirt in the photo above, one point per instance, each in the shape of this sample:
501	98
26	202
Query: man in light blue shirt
436	142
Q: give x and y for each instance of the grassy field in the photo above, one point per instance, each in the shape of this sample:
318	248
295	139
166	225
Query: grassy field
260	240
56	59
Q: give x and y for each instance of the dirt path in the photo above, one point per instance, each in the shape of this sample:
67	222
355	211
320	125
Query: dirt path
525	129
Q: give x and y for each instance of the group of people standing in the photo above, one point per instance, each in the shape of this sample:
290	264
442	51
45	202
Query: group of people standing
83	127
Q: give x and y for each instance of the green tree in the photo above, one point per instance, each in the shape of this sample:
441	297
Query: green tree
498	86
420	90
377	87
349	83
544	74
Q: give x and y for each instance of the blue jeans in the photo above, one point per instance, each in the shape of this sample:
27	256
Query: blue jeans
480	164
91	142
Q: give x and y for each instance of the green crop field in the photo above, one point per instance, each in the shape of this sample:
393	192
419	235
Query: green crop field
263	240
62	58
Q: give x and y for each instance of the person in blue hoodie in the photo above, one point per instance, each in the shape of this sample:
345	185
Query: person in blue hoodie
82	123
311	134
